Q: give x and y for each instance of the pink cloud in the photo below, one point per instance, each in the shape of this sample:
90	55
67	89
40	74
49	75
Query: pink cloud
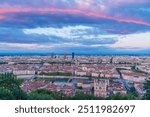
72	11
2	17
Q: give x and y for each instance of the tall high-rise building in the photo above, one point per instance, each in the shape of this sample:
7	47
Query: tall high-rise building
73	55
65	55
101	87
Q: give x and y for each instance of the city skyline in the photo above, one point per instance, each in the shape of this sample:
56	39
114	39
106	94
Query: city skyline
80	26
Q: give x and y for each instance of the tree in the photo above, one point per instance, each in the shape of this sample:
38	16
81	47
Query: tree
133	92
147	88
42	94
38	96
6	94
121	97
10	88
82	96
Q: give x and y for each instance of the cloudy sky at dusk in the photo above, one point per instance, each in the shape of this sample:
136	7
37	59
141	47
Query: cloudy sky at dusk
81	26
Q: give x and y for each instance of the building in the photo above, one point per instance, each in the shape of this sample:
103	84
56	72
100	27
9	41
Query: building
80	73
24	72
133	76
101	87
65	56
94	74
73	54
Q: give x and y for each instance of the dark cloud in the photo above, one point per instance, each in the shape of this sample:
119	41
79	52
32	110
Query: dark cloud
33	20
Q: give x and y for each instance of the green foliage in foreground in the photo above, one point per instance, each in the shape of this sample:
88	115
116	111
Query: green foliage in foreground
133	92
46	95
10	88
121	97
147	88
81	96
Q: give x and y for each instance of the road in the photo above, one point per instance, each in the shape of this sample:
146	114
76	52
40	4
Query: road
126	84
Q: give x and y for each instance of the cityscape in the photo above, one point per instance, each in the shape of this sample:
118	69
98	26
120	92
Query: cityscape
75	50
98	76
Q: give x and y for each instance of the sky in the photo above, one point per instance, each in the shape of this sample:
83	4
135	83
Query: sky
80	26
